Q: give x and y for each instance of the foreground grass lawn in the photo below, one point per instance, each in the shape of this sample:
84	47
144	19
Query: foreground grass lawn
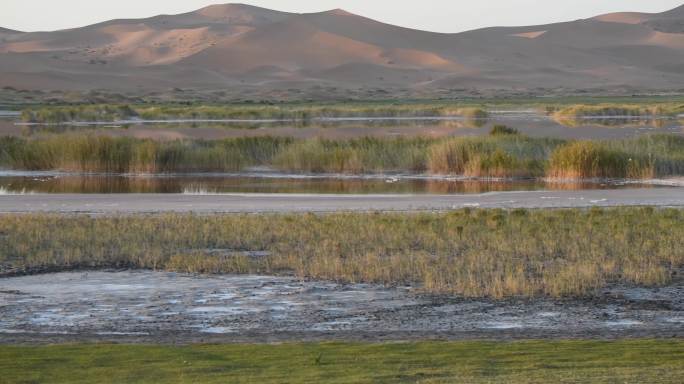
629	361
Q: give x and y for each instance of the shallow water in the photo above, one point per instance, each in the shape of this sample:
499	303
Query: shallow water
157	303
198	184
527	122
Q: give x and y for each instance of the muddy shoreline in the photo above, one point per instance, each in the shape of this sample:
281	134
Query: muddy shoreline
176	338
167	308
293	203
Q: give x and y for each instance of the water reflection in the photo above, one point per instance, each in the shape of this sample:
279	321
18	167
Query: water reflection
243	184
617	122
31	130
527	122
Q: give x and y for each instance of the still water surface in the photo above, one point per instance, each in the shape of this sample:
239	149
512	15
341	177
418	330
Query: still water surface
527	122
42	182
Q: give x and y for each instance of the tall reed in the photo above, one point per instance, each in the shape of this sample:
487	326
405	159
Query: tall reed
494	156
641	158
364	155
126	155
500	155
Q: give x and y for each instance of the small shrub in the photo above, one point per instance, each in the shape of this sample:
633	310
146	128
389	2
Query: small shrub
498	130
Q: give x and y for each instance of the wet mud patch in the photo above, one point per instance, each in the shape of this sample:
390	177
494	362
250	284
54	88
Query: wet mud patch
145	306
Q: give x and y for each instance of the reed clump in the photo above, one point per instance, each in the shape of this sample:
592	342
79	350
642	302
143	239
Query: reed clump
586	160
366	155
609	114
94	153
493	156
498	130
474	253
615	110
642	158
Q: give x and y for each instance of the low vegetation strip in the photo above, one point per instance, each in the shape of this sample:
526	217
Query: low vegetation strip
616	110
475	108
504	153
474	253
113	112
628	361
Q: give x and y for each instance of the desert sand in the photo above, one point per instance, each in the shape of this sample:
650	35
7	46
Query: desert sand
235	45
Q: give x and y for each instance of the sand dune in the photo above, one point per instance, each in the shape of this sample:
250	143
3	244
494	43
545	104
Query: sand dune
624	17
235	45
529	35
676	12
5	31
241	14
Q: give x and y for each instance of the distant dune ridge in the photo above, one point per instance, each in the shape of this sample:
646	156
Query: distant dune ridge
234	45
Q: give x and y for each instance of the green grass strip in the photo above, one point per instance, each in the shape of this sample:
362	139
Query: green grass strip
628	361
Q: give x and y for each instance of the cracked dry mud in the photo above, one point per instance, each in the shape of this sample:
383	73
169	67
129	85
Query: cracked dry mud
146	306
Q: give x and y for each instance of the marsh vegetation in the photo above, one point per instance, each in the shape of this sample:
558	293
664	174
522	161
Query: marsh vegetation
616	110
475	253
299	112
503	153
560	108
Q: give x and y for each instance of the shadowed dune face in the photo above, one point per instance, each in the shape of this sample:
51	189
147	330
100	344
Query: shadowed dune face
232	45
5	31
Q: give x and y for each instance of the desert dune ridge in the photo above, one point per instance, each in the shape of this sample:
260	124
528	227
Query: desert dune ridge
237	45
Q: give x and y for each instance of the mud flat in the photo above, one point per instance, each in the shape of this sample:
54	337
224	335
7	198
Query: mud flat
160	307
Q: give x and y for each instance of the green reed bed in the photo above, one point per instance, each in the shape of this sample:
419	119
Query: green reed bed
561	108
641	158
128	155
475	253
365	155
496	155
508	155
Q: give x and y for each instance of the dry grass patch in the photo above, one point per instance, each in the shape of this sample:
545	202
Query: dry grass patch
490	253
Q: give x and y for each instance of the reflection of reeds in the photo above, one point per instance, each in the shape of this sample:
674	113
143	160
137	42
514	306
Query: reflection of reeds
4	191
197	185
573	122
491	253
